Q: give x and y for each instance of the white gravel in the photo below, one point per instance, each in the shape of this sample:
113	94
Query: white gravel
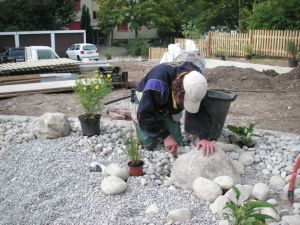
49	181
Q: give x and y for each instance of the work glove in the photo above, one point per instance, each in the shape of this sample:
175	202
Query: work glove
171	145
207	146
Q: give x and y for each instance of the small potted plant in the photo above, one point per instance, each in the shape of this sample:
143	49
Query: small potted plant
221	53
248	51
135	165
292	50
108	53
90	92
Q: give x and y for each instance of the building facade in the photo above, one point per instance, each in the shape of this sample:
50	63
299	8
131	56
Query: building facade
120	33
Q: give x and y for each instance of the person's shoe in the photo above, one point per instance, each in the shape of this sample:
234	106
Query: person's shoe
150	146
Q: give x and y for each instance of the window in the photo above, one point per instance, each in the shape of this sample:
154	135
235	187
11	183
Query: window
45	54
94	15
77	47
72	47
77	5
89	47
123	27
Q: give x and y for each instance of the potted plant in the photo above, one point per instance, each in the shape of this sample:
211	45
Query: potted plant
90	92
292	50
108	53
248	51
245	135
221	53
135	165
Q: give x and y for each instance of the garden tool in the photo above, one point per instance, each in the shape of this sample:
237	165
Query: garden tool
292	182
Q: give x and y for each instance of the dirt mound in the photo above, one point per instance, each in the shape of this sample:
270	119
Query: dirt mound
238	79
293	74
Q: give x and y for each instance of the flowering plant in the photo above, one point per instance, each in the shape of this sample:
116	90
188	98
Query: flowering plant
89	92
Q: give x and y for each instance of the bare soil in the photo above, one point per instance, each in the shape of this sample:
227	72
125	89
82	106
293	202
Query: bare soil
269	100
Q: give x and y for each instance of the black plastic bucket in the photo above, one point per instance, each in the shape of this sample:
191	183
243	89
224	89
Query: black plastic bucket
218	104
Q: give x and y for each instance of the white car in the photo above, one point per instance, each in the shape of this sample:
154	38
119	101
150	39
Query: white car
83	52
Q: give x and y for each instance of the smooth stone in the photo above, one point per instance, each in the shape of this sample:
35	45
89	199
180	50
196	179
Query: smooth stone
291	220
246	159
273	202
117	171
152	209
231	195
277	181
113	185
206	189
271	212
225	182
218	205
260	191
180	215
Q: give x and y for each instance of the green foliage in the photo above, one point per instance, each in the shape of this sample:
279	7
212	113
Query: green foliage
27	15
274	15
292	49
133	150
90	93
189	30
108	53
85	23
248	213
138	47
245	133
248	49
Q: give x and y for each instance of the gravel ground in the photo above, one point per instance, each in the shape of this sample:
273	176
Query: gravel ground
49	181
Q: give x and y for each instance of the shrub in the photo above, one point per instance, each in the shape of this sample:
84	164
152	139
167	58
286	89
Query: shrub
248	48
138	47
292	49
248	213
90	92
133	150
108	53
245	133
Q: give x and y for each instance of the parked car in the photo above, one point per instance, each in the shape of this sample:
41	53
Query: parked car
33	53
83	52
13	55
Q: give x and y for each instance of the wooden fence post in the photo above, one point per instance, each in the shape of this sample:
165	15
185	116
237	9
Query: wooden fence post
209	44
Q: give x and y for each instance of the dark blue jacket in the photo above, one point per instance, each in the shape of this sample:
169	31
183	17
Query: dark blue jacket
157	99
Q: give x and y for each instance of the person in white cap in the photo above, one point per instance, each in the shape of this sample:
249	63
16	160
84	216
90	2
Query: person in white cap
165	91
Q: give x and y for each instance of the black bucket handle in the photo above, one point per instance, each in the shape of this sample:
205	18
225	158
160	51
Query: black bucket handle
231	97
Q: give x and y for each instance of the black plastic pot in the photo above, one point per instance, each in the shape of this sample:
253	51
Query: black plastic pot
248	57
293	62
217	104
90	126
222	57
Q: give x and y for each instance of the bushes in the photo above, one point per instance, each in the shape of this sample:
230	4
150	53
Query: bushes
138	47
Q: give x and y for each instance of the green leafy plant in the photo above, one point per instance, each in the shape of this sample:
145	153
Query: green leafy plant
189	30
108	53
245	133
292	49
247	213
248	49
133	150
138	47
90	92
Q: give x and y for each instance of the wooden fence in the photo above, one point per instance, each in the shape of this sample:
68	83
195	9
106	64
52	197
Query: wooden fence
271	43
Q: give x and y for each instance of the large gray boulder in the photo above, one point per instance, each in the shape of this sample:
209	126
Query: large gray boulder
51	126
194	164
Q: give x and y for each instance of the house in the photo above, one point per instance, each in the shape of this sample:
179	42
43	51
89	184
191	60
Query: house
119	34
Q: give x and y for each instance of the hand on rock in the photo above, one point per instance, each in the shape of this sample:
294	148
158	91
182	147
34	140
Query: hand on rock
207	146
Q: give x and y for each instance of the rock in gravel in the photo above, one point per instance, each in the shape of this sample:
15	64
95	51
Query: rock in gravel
224	222
113	185
238	166
231	195
117	171
152	209
95	167
277	181
291	220
194	164
225	182
206	189
271	212
260	191
246	159
180	215
219	204
226	147
51	126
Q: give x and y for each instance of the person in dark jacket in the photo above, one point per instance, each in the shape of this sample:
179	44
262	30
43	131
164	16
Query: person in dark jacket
163	93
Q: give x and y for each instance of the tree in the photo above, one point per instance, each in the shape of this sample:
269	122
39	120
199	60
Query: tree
36	14
275	14
85	23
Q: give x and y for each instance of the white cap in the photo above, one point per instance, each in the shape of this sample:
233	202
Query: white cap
195	87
